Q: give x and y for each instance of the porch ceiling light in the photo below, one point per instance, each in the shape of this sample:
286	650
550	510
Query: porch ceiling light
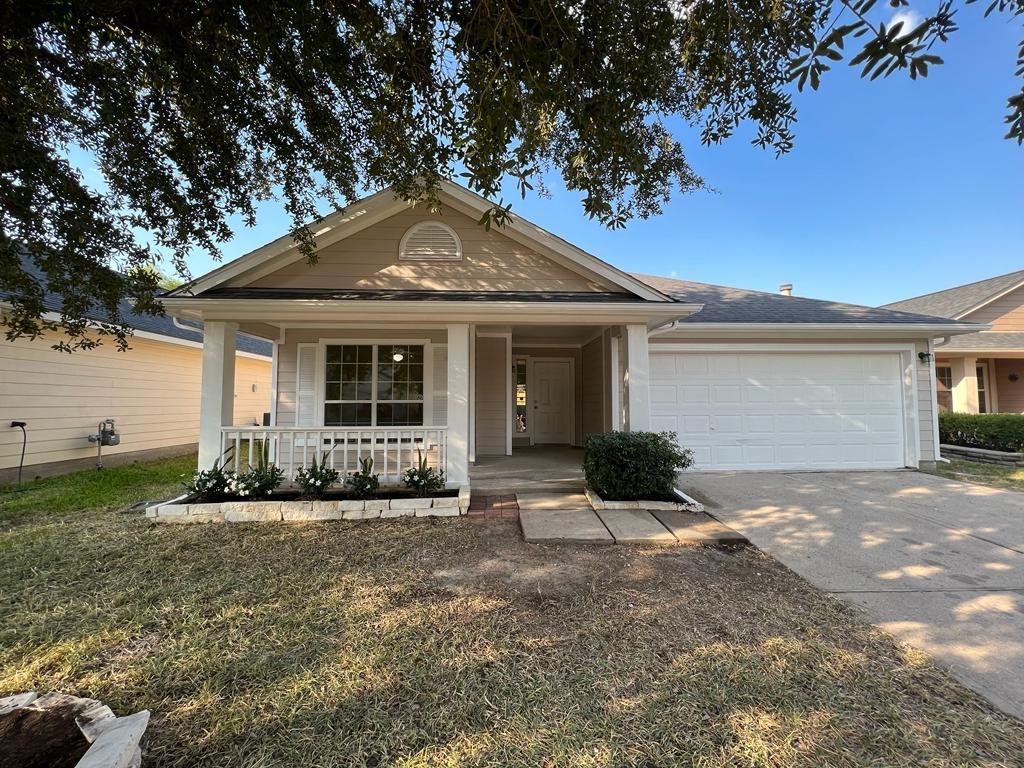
398	357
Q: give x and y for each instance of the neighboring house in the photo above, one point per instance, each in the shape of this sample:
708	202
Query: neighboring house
980	372
151	391
422	332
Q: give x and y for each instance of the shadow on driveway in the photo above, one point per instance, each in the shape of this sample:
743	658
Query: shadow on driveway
936	562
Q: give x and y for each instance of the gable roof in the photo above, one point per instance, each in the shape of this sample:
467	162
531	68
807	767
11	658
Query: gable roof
738	305
160	325
382	205
961	300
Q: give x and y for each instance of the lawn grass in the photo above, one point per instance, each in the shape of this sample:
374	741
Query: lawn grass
110	488
1011	478
429	642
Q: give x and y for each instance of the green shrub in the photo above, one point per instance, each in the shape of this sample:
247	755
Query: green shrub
992	431
633	465
364	483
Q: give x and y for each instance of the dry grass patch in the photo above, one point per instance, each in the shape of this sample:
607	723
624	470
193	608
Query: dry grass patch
450	643
1011	478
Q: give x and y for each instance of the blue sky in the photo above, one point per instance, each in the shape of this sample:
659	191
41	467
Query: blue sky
895	188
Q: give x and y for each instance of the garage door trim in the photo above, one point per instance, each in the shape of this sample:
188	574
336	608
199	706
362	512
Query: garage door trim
908	359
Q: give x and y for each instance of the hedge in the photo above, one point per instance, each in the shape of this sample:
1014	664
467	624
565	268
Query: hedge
992	431
627	466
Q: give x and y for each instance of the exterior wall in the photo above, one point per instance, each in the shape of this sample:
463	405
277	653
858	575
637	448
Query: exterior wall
574	353
595	386
492	396
1005	313
926	417
369	260
151	391
287	354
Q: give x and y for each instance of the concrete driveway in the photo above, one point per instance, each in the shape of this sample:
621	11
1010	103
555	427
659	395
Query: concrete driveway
937	563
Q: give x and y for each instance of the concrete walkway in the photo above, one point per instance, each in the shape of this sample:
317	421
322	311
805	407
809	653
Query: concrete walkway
569	518
937	563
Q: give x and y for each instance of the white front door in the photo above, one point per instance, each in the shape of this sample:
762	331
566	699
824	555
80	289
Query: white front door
551	401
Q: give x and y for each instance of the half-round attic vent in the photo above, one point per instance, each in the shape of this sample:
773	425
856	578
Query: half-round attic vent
430	241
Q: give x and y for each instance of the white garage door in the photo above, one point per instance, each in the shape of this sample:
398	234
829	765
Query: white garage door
782	410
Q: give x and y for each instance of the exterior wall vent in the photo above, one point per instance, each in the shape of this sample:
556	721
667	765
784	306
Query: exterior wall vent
430	241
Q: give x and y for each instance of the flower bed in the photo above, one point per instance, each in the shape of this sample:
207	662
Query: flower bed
218	495
288	506
676	501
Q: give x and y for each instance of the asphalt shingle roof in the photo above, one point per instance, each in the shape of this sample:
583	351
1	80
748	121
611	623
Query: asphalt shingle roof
738	305
985	340
953	302
163	326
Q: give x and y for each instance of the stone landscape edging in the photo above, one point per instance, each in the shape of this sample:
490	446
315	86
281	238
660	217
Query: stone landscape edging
685	503
179	510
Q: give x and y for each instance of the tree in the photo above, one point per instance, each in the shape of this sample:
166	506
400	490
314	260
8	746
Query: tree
196	110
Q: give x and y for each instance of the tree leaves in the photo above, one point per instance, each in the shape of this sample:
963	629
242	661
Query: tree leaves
196	112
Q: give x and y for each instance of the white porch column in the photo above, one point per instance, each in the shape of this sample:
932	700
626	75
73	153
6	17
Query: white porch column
638	378
458	404
965	384
217	396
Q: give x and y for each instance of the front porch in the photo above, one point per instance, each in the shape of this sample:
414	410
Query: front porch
537	469
504	408
980	382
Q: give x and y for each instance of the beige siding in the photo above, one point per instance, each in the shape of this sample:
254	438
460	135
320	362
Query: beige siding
925	415
491	396
595	386
369	260
288	350
151	391
571	352
1010	393
1005	313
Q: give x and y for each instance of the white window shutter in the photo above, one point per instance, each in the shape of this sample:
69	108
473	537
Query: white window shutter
305	385
440	393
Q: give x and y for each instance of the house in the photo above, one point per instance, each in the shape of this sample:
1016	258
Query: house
421	333
151	391
981	372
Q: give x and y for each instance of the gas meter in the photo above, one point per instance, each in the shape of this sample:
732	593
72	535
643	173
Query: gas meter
106	434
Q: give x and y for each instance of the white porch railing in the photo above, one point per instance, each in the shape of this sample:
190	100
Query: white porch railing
393	449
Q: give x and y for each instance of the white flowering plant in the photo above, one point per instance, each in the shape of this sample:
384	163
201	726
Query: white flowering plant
256	482
364	483
423	479
317	478
210	484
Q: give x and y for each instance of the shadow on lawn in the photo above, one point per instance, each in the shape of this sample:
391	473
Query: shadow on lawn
426	642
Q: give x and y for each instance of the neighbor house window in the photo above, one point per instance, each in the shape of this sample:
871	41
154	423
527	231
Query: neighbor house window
373	385
430	241
944	387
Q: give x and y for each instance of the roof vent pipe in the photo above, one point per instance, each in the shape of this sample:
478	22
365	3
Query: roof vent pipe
786	289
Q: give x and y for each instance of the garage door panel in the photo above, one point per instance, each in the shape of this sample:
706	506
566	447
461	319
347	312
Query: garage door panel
695	394
782	410
666	393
